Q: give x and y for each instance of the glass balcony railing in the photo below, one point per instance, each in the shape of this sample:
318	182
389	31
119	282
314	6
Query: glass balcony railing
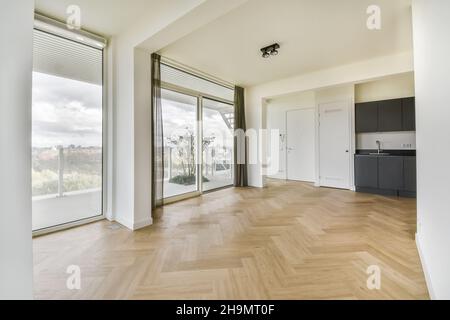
58	171
67	185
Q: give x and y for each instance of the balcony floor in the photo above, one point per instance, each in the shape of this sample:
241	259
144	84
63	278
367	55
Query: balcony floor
52	211
219	180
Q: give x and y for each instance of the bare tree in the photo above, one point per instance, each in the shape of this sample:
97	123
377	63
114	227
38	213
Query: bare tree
184	146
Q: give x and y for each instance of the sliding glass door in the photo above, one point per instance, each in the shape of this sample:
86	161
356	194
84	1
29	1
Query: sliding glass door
218	137
188	122
180	131
67	131
198	123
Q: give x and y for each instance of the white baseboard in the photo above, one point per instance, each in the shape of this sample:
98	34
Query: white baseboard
425	269
142	224
133	226
109	217
126	223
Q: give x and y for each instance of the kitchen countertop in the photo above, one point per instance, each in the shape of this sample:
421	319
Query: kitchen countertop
405	153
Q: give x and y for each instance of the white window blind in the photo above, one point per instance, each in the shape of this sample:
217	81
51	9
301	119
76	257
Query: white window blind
189	81
65	58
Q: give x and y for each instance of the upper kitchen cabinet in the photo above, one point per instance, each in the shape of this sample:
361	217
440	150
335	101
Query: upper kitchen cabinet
386	116
366	116
409	114
390	115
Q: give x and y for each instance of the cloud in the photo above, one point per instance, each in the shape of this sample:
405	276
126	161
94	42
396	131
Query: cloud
179	116
69	112
66	112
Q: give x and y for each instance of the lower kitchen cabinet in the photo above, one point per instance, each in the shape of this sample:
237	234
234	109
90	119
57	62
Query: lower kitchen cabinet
410	175
387	175
390	173
366	172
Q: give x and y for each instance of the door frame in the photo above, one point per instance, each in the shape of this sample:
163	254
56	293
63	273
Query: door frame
196	193
351	143
315	141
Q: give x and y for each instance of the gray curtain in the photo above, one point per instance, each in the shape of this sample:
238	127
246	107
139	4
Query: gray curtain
240	143
157	137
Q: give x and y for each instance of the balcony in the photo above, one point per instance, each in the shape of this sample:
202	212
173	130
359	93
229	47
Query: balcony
66	185
54	210
217	170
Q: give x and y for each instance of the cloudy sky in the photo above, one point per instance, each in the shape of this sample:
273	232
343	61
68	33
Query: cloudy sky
179	116
66	112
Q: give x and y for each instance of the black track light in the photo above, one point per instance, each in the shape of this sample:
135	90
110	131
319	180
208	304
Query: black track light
271	50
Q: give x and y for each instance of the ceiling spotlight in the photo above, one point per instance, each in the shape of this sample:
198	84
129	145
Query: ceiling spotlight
270	50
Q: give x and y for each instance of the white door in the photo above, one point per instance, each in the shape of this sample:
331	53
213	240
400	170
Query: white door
300	126
334	140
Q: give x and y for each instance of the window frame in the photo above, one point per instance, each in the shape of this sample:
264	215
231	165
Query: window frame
105	137
200	96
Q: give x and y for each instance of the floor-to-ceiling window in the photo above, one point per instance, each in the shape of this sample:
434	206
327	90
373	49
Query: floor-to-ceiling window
198	120
67	131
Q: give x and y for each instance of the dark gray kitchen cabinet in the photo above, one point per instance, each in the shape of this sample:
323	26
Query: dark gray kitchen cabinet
366	171
390	115
366	116
390	172
386	175
409	114
410	174
386	116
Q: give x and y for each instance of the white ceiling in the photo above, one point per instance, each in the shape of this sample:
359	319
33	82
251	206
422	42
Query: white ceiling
314	34
105	17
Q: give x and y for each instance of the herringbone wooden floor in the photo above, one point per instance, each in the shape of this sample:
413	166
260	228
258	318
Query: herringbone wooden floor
287	241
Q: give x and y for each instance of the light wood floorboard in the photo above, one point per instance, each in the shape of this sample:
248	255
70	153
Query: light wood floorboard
288	241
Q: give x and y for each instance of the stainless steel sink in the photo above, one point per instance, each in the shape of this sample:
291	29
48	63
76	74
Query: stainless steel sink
379	154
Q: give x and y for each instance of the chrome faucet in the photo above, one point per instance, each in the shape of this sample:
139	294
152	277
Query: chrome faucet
379	146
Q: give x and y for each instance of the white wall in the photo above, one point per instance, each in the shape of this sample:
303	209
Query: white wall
169	21
16	65
123	147
342	75
276	119
142	133
393	87
431	23
276	115
131	158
